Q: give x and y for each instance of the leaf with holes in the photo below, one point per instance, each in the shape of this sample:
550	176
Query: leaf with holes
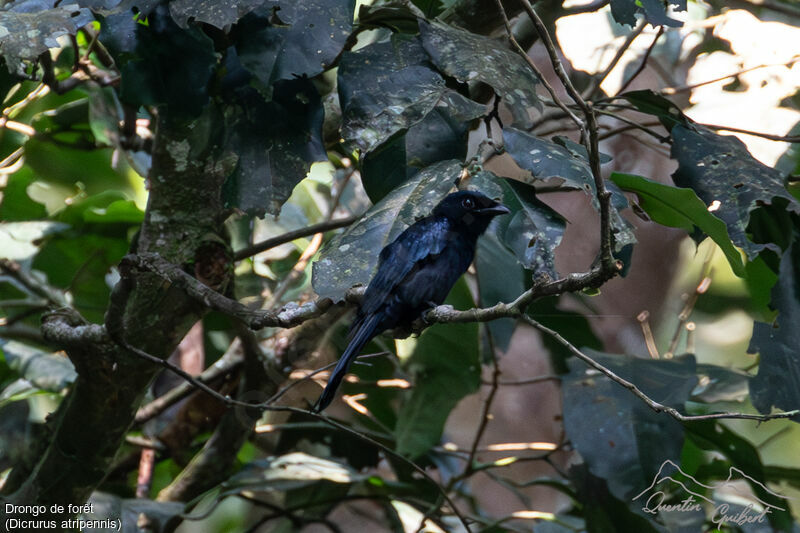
30	28
724	174
680	208
469	57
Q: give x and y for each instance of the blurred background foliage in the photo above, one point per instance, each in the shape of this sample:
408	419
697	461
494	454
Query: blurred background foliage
332	109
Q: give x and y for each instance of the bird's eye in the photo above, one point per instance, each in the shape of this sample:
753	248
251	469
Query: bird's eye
468	203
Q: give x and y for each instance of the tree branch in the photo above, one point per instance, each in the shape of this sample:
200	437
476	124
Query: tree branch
654	405
292	235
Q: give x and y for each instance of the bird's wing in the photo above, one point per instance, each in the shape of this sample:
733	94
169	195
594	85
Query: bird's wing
425	238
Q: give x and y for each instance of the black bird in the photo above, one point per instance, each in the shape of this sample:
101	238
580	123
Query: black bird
416	272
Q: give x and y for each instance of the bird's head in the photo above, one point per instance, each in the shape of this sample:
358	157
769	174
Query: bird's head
470	208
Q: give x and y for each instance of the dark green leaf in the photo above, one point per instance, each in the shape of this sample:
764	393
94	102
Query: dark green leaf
276	142
29	28
534	230
469	57
388	87
446	367
492	257
213	12
160	62
680	208
651	103
398	18
720	169
654	11
351	257
620	438
720	384
44	370
745	464
778	380
285	40
441	135
545	159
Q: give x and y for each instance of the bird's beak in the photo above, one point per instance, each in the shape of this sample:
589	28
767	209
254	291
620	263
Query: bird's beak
495	210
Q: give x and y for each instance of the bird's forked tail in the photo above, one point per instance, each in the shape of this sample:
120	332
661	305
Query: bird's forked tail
362	336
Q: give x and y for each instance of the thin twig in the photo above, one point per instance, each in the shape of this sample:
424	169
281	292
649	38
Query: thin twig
643	63
292	235
668	91
598	80
770	136
532	65
654	405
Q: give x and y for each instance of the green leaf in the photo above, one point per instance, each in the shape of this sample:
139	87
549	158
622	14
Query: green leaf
44	370
654	11
30	27
492	257
469	57
21	240
680	208
446	367
778	380
619	437
388	87
213	12
441	135
351	257
654	104
15	204
545	159
720	169
275	154
160	62
299	39
744	459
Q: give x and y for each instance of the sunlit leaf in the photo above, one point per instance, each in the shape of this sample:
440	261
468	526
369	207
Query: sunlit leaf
680	208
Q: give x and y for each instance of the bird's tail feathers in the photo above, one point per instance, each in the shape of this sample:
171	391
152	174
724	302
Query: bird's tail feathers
360	337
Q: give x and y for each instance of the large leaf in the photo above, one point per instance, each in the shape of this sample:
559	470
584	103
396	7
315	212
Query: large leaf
723	173
290	471
31	27
276	141
388	87
298	39
680	208
446	367
442	134
567	161
160	62
44	370
545	159
621	439
213	12
778	380
469	57
492	257
351	257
